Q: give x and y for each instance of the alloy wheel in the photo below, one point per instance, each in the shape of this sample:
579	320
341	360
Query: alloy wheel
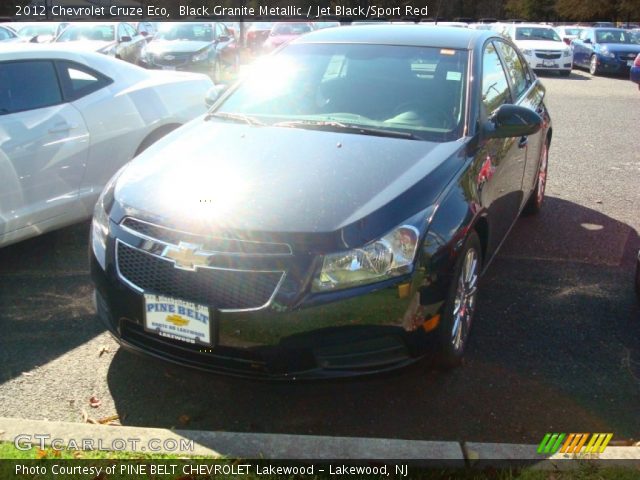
465	300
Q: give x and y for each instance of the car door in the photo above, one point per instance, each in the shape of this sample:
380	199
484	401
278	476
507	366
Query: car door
526	92
224	44
502	160
43	146
578	48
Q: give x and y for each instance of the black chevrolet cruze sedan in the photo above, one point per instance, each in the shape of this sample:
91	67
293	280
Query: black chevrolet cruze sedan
333	212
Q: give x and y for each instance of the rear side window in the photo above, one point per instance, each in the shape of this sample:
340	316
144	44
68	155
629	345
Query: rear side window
495	88
78	81
514	67
28	85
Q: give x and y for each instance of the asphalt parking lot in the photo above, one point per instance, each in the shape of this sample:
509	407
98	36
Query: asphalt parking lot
555	347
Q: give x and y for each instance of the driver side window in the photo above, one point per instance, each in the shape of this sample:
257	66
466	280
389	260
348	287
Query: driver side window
495	87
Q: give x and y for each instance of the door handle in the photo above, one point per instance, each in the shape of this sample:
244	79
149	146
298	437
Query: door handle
62	128
523	142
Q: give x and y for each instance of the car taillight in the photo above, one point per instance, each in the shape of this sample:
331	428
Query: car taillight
637	62
567	41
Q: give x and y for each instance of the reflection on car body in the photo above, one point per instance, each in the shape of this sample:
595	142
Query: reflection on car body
333	212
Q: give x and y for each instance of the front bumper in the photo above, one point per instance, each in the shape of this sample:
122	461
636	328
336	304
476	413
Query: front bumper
634	74
380	328
555	64
613	65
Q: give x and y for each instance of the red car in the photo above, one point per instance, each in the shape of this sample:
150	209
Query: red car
282	33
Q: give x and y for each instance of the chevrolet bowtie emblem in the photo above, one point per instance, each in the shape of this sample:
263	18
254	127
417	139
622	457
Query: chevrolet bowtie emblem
187	256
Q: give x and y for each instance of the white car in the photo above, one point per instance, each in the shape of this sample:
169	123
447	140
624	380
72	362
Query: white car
39	32
542	47
568	33
69	120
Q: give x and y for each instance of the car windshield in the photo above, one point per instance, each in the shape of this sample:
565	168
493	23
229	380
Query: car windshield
406	90
35	30
290	28
537	33
5	34
199	32
572	31
614	36
102	33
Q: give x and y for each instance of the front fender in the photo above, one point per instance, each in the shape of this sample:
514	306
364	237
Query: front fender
456	214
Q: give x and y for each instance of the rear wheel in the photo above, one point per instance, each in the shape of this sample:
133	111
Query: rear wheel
460	305
534	204
594	68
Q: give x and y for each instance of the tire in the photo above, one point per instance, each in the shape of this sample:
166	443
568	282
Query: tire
594	69
534	204
460	305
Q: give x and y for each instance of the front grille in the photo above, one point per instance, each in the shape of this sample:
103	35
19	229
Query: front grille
217	288
630	56
232	246
171	59
548	55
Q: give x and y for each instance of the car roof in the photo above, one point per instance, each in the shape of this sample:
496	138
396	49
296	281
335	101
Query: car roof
407	35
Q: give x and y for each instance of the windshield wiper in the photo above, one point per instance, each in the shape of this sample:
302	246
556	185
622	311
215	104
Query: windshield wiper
339	126
235	117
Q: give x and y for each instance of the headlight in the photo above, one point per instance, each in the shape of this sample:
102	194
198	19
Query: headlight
527	52
566	53
100	221
200	57
389	257
608	54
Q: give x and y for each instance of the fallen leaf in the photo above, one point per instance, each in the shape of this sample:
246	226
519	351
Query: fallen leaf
41	454
56	453
109	419
94	402
77	454
103	349
184	419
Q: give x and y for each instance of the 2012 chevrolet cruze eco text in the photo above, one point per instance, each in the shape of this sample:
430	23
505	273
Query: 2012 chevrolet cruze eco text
333	212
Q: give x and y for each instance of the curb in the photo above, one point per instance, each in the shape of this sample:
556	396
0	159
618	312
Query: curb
299	447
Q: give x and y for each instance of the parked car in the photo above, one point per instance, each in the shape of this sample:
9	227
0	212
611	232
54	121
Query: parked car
283	32
146	29
333	212
605	50
68	121
256	34
568	33
116	39
7	35
203	47
541	46
634	73
40	32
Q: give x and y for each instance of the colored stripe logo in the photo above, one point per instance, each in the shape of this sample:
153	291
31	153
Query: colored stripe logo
574	443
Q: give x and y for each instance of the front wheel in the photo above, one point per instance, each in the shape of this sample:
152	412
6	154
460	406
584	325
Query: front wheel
594	68
460	306
534	204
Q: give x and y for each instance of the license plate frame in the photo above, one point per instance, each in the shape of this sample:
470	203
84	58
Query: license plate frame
549	63
178	319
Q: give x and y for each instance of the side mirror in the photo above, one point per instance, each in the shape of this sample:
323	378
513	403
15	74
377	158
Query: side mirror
213	94
223	38
144	33
125	38
512	121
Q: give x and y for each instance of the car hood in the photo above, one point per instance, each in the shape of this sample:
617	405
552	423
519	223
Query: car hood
211	175
176	46
541	45
620	47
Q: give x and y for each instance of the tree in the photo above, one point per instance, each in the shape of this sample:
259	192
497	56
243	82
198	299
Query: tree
531	9
587	9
